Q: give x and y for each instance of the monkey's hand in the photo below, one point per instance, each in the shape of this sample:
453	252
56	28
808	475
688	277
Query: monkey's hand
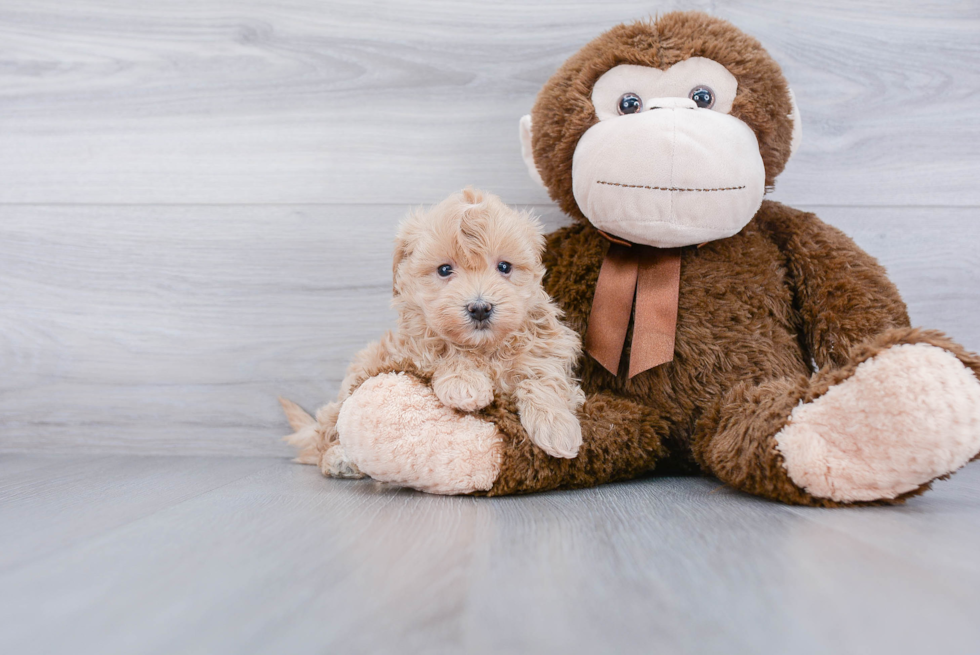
395	429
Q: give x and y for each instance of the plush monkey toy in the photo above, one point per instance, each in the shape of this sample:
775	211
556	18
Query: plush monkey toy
728	334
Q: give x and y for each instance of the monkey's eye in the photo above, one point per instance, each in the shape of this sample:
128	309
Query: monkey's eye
445	270
703	97
630	103
505	268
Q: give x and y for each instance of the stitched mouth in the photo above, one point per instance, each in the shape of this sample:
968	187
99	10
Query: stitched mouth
667	188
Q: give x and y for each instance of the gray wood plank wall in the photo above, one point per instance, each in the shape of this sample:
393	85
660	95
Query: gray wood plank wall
197	198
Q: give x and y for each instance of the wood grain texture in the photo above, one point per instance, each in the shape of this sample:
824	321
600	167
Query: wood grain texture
171	330
279	101
62	502
217	555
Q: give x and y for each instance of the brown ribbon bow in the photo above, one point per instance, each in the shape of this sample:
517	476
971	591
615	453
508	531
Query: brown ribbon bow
652	276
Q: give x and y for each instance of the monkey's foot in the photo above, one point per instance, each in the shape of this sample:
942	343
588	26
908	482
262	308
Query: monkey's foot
394	429
907	416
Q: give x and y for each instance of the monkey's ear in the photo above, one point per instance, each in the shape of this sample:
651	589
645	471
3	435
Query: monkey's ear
794	116
527	152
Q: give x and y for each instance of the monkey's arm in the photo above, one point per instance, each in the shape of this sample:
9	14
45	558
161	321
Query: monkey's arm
842	294
620	440
394	429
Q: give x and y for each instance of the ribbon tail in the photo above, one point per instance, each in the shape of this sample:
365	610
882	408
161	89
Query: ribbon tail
655	322
611	306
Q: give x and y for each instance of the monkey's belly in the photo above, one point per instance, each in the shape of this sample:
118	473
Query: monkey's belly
735	323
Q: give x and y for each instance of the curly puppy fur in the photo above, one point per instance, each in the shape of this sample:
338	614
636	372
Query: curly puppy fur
469	251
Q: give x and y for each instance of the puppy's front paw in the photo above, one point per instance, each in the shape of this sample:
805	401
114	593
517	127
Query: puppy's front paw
465	392
334	464
555	431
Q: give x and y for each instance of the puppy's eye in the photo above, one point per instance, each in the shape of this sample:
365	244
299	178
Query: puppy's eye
702	97
445	270
629	103
504	268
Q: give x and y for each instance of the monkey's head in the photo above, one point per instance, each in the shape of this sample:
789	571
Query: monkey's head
665	132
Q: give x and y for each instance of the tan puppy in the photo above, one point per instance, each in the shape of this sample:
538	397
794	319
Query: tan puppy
472	316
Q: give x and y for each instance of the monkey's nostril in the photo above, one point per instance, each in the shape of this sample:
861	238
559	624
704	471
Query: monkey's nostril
479	311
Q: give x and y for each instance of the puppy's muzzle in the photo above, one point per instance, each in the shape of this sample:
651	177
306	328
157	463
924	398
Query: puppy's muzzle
479	312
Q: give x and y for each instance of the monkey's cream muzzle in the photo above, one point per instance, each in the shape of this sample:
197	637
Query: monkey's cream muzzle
672	175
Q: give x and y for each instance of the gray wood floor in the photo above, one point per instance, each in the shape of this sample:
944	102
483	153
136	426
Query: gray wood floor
124	554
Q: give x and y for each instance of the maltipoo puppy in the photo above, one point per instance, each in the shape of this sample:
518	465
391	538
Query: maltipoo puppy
474	318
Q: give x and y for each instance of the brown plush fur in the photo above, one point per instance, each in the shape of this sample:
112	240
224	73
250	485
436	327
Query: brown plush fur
754	310
758	312
746	336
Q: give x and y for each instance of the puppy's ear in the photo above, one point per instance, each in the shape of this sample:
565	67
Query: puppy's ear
400	253
404	244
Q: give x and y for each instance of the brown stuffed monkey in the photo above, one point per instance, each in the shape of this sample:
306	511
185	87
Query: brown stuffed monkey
726	333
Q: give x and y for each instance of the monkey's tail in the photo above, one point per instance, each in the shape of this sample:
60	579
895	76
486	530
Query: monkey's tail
307	437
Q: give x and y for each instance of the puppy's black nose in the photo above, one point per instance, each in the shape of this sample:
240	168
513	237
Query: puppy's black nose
479	311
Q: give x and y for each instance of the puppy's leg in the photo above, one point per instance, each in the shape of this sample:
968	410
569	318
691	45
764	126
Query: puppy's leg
317	439
335	464
333	460
462	387
548	419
